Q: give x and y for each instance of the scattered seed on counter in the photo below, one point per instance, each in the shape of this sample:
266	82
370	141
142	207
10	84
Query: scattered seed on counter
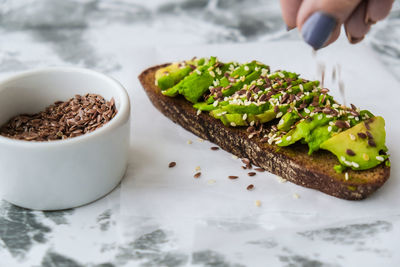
250	187
189	142
214	148
257	203
259	169
212	181
251	173
197	175
296	196
232	177
197	168
200	139
172	164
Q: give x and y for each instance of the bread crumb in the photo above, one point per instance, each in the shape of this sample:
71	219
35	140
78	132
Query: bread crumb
257	203
197	168
189	142
212	181
296	196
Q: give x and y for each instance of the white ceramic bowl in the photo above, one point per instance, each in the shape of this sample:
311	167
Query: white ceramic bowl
66	173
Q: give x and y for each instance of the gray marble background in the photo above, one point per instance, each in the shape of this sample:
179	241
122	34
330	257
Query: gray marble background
35	33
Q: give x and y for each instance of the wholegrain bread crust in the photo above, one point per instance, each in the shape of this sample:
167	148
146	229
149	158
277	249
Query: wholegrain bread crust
291	163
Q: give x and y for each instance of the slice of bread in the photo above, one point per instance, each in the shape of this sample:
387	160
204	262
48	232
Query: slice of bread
291	163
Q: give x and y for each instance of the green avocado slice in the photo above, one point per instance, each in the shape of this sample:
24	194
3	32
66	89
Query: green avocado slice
361	146
303	129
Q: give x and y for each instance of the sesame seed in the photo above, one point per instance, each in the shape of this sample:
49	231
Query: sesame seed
215	103
189	142
301	87
197	168
252	123
212	73
347	163
235	157
306	110
212	181
380	158
244	116
365	157
279	141
200	139
355	164
246	68
352	137
296	196
233	124
346	176
329	128
289	138
257	203
198	72
342	158
279	114
320	117
281	75
198	112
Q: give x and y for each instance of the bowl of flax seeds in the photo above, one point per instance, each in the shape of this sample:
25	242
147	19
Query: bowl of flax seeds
64	137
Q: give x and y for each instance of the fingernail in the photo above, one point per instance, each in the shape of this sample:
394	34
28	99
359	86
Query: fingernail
368	21
288	28
317	29
354	40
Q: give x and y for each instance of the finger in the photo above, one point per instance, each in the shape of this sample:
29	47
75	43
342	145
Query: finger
355	26
319	19
377	10
289	12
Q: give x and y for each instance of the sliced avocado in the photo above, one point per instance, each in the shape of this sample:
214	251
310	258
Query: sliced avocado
303	129
356	152
170	75
167	81
317	137
233	120
288	120
193	87
267	116
249	109
172	92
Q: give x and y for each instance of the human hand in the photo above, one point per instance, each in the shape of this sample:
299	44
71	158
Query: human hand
319	21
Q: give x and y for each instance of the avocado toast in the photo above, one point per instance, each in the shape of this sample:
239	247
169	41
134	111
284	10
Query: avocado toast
281	122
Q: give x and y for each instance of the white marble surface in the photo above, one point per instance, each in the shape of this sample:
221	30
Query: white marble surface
122	38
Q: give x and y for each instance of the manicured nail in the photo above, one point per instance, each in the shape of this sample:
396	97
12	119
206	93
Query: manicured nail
288	28
354	40
317	29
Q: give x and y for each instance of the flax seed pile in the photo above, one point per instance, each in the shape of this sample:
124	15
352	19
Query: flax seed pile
62	120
